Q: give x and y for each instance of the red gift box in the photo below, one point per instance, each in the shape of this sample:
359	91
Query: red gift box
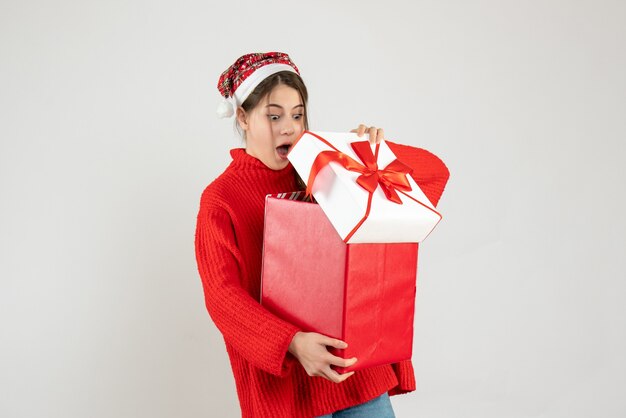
363	294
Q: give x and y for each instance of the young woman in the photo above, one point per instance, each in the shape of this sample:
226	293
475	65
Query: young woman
280	370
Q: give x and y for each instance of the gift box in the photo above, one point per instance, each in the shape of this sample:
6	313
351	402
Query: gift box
365	191
363	294
346	266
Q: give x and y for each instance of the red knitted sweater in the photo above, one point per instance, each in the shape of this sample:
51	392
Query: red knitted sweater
229	239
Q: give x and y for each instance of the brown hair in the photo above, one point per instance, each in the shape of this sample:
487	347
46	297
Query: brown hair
264	88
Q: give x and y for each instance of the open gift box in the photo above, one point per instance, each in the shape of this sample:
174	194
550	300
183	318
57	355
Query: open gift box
346	267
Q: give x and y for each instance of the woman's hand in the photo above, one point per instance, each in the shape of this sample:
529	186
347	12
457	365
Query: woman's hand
310	350
376	134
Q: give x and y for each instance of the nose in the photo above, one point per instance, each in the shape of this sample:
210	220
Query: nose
287	129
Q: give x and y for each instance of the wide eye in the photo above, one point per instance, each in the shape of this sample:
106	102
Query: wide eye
298	116
273	117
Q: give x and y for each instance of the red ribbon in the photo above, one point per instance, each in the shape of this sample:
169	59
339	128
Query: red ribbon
391	179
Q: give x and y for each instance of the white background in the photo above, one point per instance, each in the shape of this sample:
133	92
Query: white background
109	135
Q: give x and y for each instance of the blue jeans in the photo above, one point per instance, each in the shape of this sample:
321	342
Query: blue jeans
376	408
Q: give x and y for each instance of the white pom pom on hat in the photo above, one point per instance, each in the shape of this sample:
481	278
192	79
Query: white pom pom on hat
241	78
225	109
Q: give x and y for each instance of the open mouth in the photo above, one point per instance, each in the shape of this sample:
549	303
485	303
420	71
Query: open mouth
283	150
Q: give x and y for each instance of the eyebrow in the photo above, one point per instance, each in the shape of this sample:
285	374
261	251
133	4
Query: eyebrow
276	105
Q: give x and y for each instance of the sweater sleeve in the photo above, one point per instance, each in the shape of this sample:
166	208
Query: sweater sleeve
429	171
259	336
406	378
431	174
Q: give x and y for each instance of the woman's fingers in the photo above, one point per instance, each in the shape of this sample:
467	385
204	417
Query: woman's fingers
332	342
341	362
344	376
360	130
375	134
311	349
327	372
333	376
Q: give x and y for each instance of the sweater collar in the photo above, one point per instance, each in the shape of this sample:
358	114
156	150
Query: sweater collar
244	160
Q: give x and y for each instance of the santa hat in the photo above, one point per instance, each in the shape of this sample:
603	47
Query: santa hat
241	78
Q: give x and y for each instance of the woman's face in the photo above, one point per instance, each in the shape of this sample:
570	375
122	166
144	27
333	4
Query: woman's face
273	126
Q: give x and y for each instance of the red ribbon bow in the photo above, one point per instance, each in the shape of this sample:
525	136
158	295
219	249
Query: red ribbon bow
391	178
